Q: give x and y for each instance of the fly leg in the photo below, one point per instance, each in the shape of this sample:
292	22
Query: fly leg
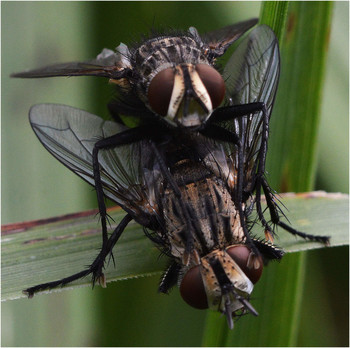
172	183
95	268
261	172
268	251
275	217
233	111
127	137
130	136
260	182
169	277
239	200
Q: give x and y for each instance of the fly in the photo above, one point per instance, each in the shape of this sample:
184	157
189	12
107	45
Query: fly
189	204
189	171
170	77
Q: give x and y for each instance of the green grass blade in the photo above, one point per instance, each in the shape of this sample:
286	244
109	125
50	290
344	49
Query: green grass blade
46	250
292	156
274	14
294	124
291	162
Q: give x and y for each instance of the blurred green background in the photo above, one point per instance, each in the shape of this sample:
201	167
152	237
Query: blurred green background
35	185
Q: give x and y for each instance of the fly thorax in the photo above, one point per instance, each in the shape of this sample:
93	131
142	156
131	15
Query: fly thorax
158	53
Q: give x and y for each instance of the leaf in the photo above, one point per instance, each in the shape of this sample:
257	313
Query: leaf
46	250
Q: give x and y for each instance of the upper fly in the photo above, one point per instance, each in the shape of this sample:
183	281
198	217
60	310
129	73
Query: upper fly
171	77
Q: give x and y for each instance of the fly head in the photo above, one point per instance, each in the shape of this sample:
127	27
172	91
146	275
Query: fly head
223	281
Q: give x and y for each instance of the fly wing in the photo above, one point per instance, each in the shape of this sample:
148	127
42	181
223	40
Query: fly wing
69	134
251	75
113	65
219	40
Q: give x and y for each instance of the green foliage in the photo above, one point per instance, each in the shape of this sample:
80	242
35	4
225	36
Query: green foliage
55	248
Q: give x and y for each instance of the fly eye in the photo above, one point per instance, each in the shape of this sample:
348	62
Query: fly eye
160	90
250	264
213	82
192	289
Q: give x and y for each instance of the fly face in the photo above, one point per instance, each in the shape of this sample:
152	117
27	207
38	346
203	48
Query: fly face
187	94
223	281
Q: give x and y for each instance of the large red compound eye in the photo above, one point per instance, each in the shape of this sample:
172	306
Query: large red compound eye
213	82
160	90
249	263
192	289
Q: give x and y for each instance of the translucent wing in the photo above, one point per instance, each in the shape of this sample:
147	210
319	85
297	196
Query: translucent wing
69	134
113	65
219	40
251	75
